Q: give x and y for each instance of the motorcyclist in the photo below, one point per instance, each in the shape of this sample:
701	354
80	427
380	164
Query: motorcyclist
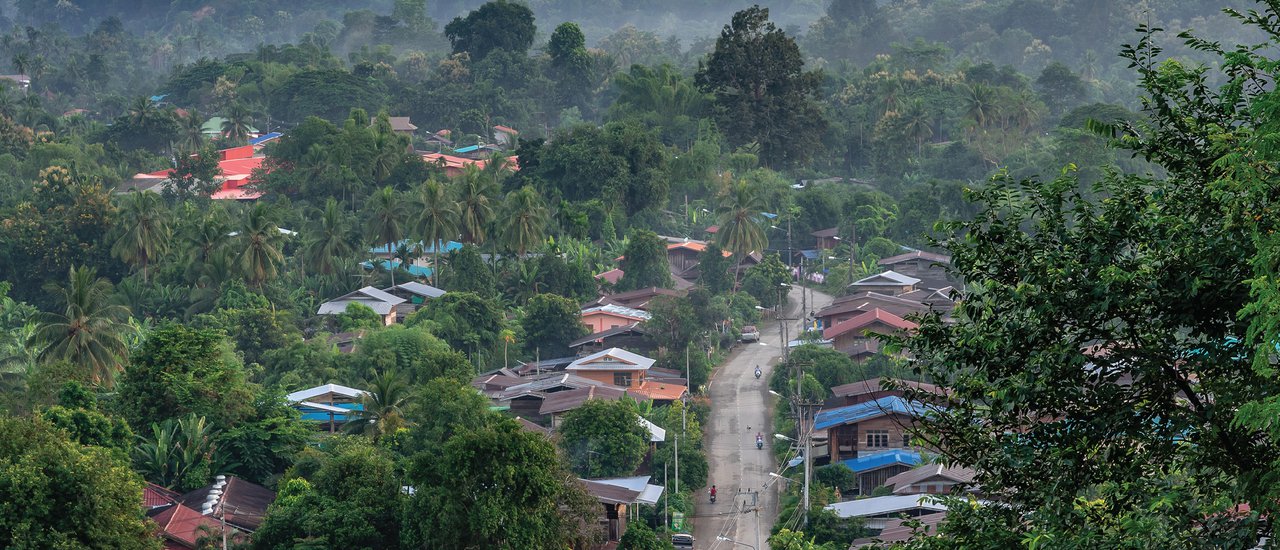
713	493
757	371
759	440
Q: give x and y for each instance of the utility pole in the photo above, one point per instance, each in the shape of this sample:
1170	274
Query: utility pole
677	463
755	507
804	429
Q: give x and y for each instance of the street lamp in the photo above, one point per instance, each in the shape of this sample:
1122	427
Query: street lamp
727	539
780	436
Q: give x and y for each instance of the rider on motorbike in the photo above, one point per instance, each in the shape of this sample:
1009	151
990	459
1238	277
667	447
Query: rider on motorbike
759	440
757	371
713	493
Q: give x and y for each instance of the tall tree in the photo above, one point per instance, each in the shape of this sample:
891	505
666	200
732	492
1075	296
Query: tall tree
386	223
235	126
436	222
524	219
260	255
571	66
383	407
329	239
739	214
645	262
603	439
191	138
497	25
761	93
475	197
144	230
90	332
550	323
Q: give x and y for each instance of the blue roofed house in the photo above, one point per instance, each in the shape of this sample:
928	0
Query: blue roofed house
856	434
330	404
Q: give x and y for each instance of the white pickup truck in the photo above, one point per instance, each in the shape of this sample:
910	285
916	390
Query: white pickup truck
750	334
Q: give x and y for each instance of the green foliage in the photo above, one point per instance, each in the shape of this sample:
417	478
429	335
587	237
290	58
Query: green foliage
550	323
262	446
603	439
77	414
409	350
358	316
768	281
180	453
467	321
444	408
179	371
497	25
89	334
645	264
622	163
468	273
62	494
640	537
497	487
836	476
713	270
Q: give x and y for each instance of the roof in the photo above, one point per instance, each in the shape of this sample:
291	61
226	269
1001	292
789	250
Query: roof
379	301
865	411
609	493
649	494
564	401
879	506
539	386
319	412
398	123
612	359
505	129
872	385
612	276
860	348
531	427
888	277
660	390
826	233
656	433
600	336
871	462
154	496
895	531
185	526
420	289
931	296
902	482
713	229
450	161
467	149
265	138
619	311
309	393
916	255
695	246
867	319
245	503
638	298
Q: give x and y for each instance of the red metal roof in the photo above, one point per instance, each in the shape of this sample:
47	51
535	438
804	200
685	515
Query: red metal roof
154	495
185	526
866	320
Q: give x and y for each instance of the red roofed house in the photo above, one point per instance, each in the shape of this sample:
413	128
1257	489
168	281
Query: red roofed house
505	136
852	335
627	370
453	165
182	527
236	166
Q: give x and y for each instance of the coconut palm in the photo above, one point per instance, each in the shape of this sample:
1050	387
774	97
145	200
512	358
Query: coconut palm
90	332
142	112
235	126
386	223
979	104
917	124
437	219
259	237
191	134
738	213
329	239
382	409
475	210
524	220
145	231
205	239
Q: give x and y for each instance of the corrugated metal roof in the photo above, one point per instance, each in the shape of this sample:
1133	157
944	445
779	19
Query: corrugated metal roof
888	276
878	506
865	411
420	289
612	359
303	395
615	309
876	461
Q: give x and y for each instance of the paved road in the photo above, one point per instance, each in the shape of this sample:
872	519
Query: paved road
741	406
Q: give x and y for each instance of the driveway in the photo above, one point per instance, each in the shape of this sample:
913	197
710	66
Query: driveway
741	406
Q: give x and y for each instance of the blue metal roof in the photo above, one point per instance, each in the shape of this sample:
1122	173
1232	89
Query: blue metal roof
876	461
467	149
865	411
445	247
265	138
415	270
809	254
417	246
316	415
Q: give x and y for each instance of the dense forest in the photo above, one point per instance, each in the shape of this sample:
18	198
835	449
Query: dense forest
155	335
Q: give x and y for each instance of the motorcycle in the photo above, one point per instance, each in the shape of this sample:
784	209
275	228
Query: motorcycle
759	442
758	373
713	498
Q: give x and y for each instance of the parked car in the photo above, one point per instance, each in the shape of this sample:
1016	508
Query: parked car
681	540
750	334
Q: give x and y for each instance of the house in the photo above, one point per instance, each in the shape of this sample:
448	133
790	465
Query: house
941	300
632	336
415	295
826	239
848	307
628	370
453	165
505	136
611	277
889	282
181	527
846	335
542	366
236	167
931	479
477	151
608	316
878	511
869	427
439	139
872	389
526	399
261	141
399	125
381	302
555	406
875	469
615	497
495	382
635	299
329	404
241	503
900	530
155	496
920	264
19	81
345	341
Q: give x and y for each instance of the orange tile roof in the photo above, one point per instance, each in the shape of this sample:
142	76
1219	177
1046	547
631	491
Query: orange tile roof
698	247
865	320
659	391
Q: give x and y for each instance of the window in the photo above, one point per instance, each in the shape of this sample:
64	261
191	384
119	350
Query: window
622	379
906	441
877	438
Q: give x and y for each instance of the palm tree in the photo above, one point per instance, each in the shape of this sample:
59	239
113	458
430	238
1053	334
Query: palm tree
179	453
236	124
145	230
329	239
437	220
260	255
508	337
382	408
916	123
474	204
386	222
979	104
525	220
740	232
89	333
191	137
142	112
205	239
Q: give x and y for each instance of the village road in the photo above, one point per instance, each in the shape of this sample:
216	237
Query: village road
741	406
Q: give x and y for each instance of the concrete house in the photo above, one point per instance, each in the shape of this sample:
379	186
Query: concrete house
889	282
380	301
610	316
